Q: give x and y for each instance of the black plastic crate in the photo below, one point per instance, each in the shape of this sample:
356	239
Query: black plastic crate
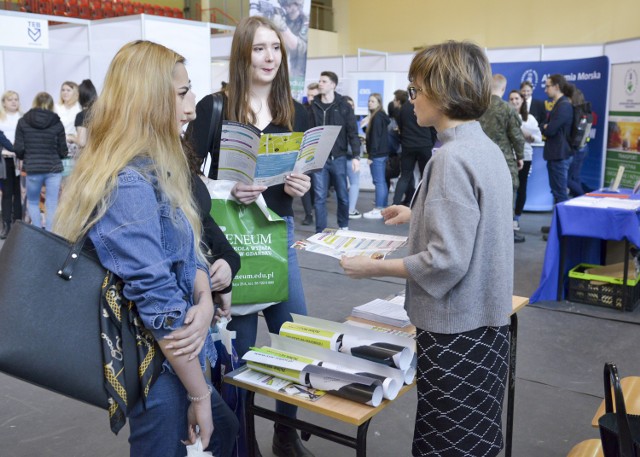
602	290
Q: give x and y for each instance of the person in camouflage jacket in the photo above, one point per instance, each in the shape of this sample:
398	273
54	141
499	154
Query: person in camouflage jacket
501	123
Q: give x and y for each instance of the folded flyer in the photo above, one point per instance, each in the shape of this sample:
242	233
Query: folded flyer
339	243
251	157
309	372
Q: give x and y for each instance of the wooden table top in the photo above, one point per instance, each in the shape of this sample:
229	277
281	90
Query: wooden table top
340	408
329	405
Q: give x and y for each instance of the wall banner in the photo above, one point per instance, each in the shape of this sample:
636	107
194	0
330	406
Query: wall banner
291	17
623	139
20	32
590	76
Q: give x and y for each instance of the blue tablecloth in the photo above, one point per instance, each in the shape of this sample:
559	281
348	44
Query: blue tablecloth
583	228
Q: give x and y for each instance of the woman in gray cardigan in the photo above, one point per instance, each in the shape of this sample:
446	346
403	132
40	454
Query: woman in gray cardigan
459	269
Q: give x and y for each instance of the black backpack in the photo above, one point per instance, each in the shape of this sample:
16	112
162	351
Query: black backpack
581	126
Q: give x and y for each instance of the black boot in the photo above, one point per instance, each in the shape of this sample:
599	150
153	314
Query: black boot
5	231
287	443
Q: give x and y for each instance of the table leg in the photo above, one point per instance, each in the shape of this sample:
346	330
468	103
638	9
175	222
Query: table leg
361	449
625	289
561	261
511	383
250	425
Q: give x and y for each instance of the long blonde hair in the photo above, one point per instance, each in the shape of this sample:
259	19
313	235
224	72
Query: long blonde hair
135	116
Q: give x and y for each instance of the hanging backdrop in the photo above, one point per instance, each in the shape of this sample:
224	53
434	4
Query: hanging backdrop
591	77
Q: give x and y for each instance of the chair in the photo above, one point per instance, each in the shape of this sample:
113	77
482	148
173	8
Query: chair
72	9
128	8
84	9
96	9
631	393
107	9
58	7
177	12
167	11
118	9
138	8
158	10
44	7
148	8
587	448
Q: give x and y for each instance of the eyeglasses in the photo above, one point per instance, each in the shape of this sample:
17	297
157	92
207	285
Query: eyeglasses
413	92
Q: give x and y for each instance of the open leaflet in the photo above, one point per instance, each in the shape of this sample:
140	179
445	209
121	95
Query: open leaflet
250	157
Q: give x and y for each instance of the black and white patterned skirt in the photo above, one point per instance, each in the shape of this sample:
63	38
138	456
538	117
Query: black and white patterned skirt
461	382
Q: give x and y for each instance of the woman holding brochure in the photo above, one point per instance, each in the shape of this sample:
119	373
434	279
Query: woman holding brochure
259	94
460	265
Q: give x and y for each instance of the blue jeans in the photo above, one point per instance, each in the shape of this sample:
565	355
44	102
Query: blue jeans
558	174
378	166
336	169
354	186
35	182
246	327
157	431
574	180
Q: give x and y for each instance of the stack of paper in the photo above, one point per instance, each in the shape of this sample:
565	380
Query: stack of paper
383	311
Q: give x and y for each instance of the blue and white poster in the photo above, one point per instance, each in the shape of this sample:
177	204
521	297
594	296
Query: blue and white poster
591	76
366	87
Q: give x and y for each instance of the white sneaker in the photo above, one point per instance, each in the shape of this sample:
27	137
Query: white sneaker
355	214
375	213
344	229
516	226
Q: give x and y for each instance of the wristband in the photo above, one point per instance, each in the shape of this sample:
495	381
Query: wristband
201	397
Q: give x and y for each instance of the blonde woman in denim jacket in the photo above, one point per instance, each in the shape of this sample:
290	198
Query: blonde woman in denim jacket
131	192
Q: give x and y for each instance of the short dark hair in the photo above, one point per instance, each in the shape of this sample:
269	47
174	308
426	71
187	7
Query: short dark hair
401	96
86	93
331	75
456	75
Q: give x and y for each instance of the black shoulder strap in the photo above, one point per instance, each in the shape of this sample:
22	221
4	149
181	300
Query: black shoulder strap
215	129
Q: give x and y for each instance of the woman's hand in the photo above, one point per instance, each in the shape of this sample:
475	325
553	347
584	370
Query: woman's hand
190	338
358	267
247	194
297	184
223	305
220	275
199	414
355	165
396	214
71	138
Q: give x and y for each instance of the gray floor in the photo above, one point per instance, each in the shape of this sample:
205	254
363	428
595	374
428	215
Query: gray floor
561	350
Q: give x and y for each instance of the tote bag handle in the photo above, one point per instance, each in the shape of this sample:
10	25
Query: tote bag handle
611	377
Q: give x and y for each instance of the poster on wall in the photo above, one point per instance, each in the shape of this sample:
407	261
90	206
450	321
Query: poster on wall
623	139
591	77
21	32
291	17
367	87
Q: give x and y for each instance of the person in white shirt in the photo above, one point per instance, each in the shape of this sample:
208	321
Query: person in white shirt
531	133
68	106
11	195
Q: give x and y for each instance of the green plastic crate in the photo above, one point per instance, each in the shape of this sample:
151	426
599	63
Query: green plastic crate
611	294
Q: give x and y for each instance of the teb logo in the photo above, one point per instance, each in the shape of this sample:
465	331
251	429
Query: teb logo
34	31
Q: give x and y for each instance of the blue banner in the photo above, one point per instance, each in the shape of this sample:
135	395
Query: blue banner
366	87
591	76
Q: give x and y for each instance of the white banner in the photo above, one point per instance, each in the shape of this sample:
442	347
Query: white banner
625	88
19	32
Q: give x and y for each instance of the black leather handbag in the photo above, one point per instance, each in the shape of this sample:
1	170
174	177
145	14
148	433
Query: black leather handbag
50	311
619	431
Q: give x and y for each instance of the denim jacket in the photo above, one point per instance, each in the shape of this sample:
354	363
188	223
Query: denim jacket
151	247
